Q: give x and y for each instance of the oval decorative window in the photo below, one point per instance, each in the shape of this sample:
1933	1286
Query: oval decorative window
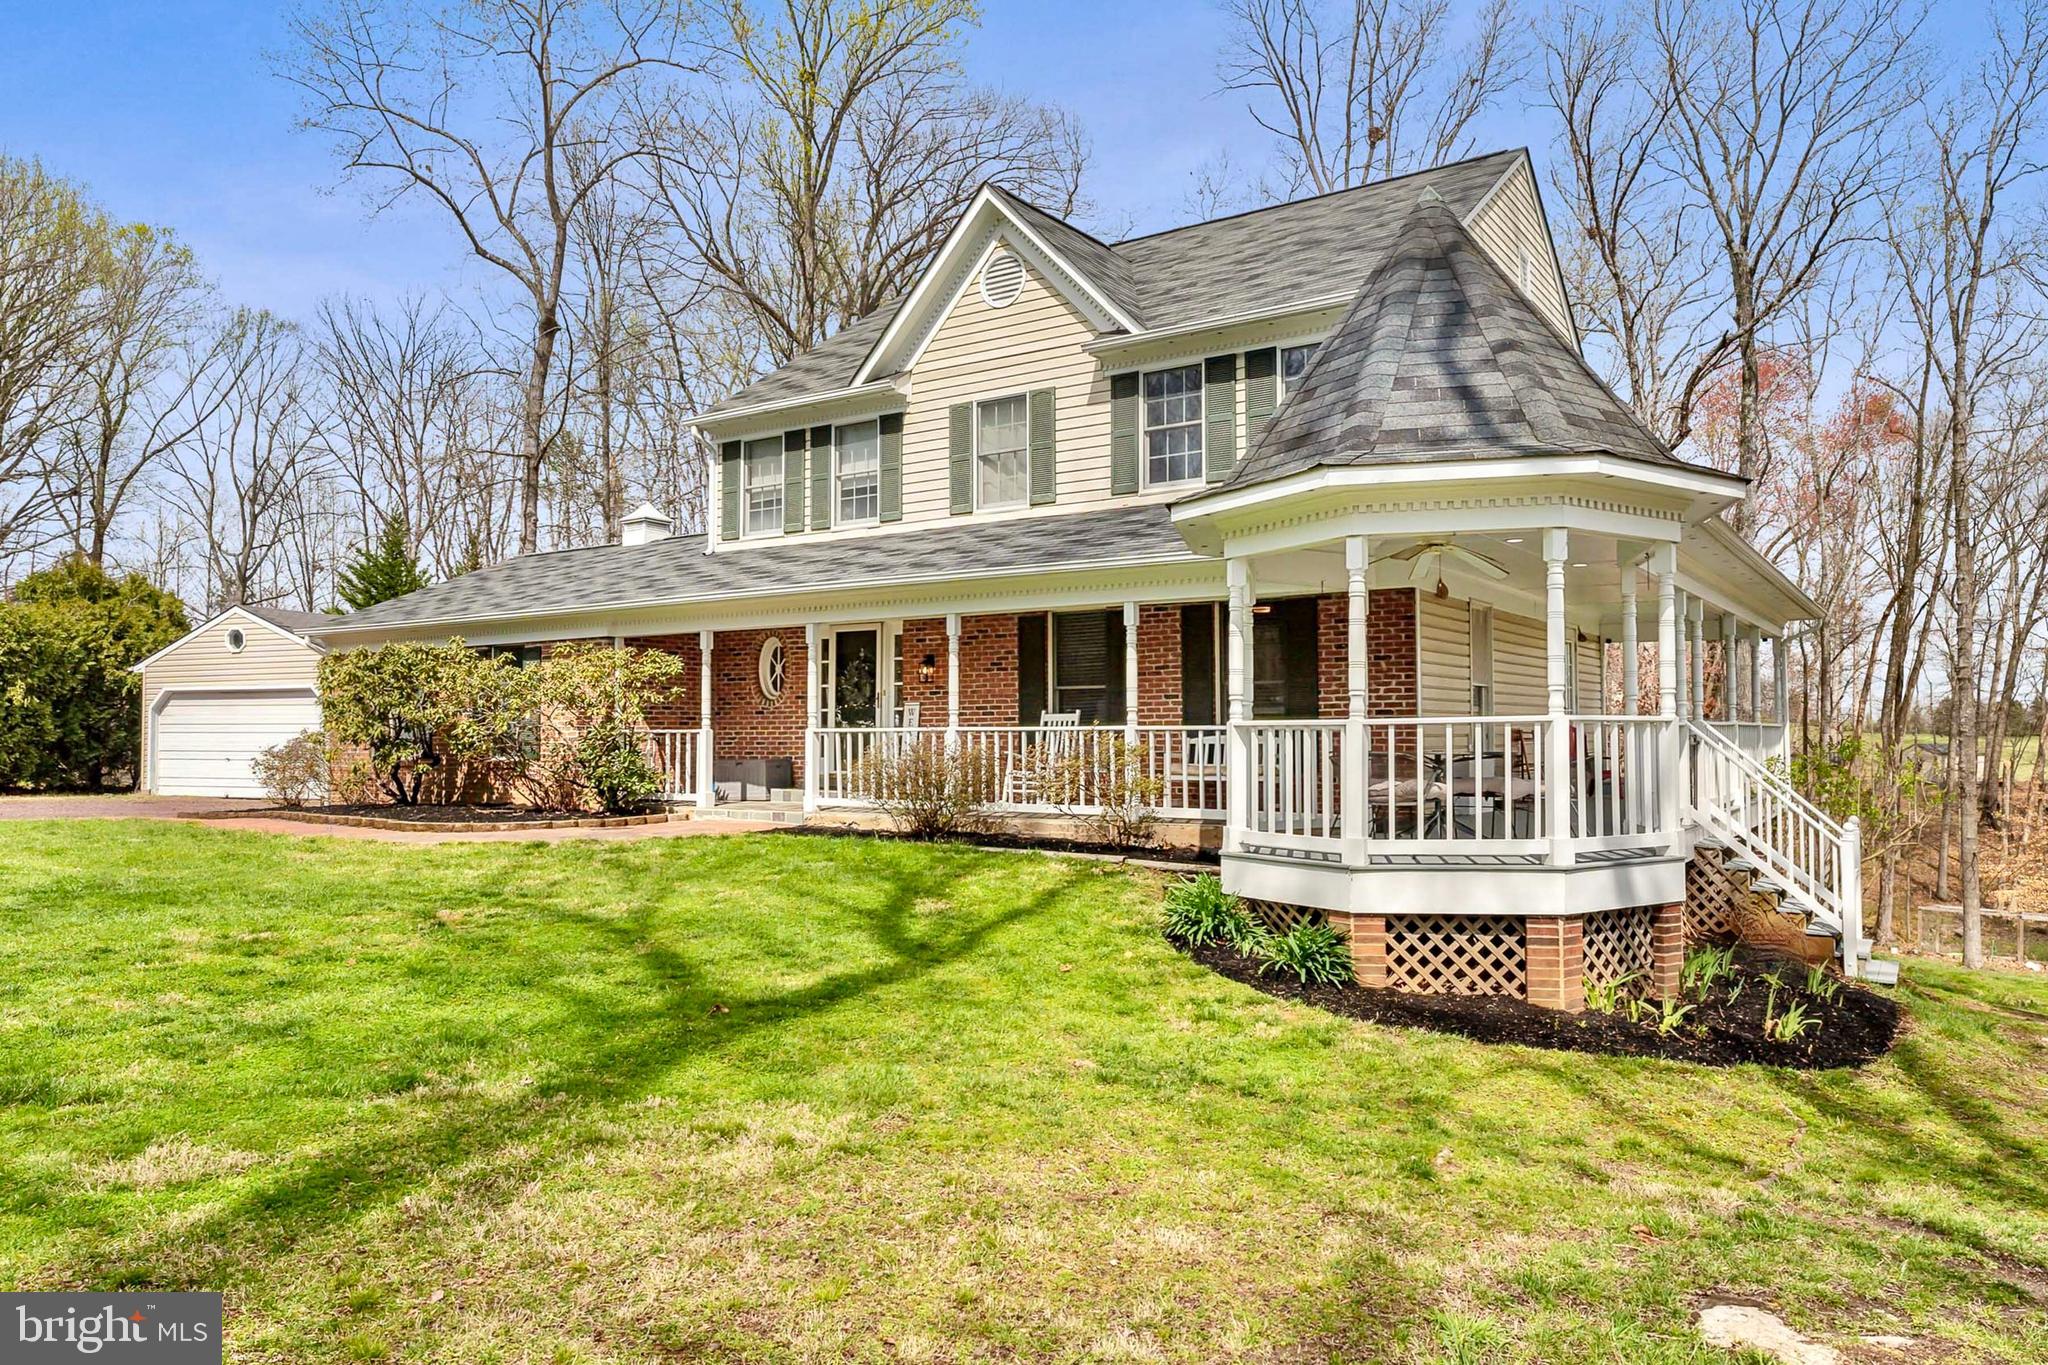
1002	279
774	666
236	640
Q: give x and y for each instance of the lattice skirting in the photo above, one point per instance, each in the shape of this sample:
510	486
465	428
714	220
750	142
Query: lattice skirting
1280	916
1618	942
1457	955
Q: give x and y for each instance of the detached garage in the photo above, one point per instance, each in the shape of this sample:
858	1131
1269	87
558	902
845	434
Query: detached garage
237	685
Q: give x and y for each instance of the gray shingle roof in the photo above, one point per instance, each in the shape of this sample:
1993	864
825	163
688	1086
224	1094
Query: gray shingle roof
1274	257
676	570
297	622
1438	357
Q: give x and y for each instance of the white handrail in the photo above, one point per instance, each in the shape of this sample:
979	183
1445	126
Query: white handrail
673	753
1765	819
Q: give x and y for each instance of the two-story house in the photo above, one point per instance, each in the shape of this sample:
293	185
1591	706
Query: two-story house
1317	508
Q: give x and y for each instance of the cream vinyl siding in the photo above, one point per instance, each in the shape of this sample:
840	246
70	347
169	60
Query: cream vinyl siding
203	660
980	352
1520	672
1444	631
1511	221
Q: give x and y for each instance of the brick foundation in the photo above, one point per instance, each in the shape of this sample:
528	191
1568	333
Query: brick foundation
1667	950
1366	938
1557	975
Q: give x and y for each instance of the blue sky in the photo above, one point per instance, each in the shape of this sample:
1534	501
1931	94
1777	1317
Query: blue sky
169	113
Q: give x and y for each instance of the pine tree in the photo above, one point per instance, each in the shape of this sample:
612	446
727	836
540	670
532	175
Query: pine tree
385	569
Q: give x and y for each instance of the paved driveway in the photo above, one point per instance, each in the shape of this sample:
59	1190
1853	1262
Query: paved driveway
131	806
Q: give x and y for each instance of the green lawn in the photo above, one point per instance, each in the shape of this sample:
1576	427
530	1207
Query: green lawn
778	1097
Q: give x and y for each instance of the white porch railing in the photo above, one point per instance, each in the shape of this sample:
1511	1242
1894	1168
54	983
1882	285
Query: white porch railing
1759	814
674	756
1762	741
1040	769
1453	786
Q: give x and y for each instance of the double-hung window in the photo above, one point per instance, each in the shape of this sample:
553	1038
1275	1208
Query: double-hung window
858	452
761	485
1294	364
1173	425
1002	457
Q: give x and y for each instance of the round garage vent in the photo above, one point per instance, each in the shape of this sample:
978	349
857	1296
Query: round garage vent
1002	279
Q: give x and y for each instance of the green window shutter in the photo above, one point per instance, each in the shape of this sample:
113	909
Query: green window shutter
892	466
793	481
1260	392
960	455
1044	474
1123	433
1219	408
821	478
729	491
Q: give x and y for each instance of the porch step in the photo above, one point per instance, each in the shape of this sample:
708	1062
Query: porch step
770	812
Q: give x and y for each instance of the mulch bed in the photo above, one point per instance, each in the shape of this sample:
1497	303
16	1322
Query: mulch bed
1857	1026
444	819
1179	857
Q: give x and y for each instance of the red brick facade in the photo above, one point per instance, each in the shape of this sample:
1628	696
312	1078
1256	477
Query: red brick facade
1391	685
988	669
744	723
678	712
1557	962
1159	665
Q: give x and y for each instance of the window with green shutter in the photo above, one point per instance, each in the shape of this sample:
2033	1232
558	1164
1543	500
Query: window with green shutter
793	481
1123	433
1044	447
1219	404
821	478
729	457
892	466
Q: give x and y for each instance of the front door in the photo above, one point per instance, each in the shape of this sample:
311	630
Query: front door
856	678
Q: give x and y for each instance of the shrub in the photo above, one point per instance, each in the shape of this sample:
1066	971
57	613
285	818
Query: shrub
616	769
416	709
926	791
295	770
1311	952
1200	912
1100	782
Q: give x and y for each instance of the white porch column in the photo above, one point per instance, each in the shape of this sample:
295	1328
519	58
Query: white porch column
1563	783
1697	614
1131	673
1664	566
1631	641
1781	701
1352	800
1728	674
1756	665
1237	681
952	681
814	672
707	793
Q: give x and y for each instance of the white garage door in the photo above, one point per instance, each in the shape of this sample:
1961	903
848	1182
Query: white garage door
205	740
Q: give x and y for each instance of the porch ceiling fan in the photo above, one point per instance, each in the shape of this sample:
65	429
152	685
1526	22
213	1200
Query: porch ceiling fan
1427	558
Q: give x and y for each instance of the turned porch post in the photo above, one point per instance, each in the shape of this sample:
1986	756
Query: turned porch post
1756	661
1664	566
813	681
1781	696
1131	673
1237	778
1697	622
1728	711
707	791
952	681
1352	808
1631	642
1563	783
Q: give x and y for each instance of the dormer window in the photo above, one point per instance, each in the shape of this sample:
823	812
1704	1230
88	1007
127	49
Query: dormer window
1002	458
1294	362
1173	426
761	485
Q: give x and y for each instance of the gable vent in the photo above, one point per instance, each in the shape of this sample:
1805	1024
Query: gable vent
1002	279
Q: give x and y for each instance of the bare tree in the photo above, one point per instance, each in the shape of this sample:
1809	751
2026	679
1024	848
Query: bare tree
831	151
507	115
238	479
1639	278
54	260
151	375
1363	90
1963	260
1780	113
